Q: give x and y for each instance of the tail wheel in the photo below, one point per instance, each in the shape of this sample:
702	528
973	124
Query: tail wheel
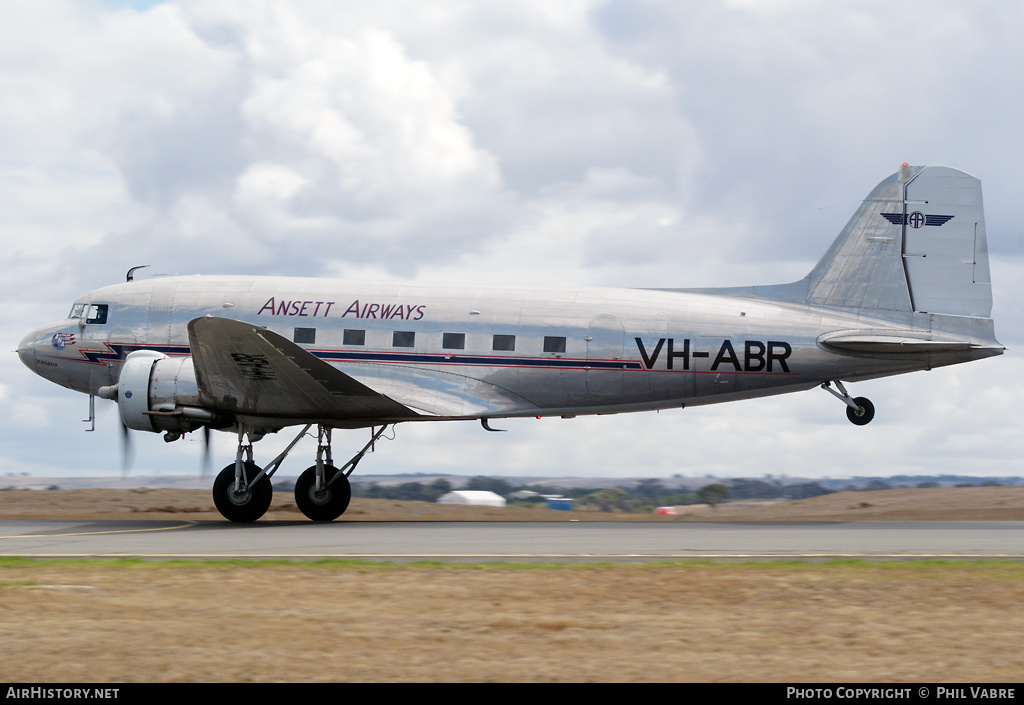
330	502
864	412
250	503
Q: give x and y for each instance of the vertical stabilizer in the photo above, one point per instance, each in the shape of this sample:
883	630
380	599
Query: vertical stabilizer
917	243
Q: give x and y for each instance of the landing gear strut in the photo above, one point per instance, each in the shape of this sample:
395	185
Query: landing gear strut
242	490
860	411
322	491
243	502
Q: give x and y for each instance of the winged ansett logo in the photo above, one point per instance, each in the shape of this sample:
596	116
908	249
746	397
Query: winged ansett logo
917	219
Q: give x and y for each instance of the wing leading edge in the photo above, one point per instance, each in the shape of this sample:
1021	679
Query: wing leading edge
250	370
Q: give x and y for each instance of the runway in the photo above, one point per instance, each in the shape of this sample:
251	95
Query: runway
512	541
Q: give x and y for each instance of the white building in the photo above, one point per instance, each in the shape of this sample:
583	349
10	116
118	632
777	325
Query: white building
478	498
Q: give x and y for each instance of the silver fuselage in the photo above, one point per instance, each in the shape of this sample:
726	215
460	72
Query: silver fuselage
624	349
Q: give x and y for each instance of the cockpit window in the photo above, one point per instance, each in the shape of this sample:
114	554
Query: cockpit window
92	313
97	313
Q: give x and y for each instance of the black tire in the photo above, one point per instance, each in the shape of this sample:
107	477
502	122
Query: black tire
248	506
866	413
329	504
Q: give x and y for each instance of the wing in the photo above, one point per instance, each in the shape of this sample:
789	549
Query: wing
246	369
249	370
444	391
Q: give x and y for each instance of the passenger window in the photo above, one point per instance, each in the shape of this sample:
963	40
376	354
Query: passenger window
354	337
403	339
504	343
453	341
554	344
97	314
305	336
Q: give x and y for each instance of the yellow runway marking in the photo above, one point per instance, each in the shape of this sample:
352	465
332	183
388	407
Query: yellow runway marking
99	533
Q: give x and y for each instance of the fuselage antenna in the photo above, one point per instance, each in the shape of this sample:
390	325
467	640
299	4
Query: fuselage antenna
131	272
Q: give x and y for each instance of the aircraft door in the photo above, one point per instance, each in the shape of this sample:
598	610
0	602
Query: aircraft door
605	352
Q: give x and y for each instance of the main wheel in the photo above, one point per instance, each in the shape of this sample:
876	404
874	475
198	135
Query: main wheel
327	504
245	506
863	415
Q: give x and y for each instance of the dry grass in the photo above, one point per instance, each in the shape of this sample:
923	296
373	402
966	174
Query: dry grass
357	622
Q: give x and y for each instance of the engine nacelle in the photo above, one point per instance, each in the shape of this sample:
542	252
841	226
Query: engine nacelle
159	393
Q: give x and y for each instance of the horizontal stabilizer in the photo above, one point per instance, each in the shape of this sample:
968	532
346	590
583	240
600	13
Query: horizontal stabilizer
894	341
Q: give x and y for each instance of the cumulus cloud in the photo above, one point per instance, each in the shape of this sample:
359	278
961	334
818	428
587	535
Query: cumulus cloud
591	142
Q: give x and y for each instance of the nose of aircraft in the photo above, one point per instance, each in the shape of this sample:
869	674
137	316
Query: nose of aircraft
52	351
27	350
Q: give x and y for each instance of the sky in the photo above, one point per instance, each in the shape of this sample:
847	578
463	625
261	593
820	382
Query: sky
583	143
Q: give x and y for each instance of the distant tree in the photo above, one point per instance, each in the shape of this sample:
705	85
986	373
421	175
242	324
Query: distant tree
713	494
649	488
491	484
407	491
806	490
928	484
875	485
754	489
364	489
439	487
991	483
607	500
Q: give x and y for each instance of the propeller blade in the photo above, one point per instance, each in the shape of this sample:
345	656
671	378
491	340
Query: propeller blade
126	450
205	468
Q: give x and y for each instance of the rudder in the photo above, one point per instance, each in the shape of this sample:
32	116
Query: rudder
917	243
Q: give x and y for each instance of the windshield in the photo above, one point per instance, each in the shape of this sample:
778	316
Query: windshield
92	313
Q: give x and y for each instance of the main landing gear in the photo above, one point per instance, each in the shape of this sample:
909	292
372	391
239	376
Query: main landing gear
242	490
860	411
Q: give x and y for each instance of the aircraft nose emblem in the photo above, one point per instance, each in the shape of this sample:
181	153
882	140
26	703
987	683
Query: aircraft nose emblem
60	340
